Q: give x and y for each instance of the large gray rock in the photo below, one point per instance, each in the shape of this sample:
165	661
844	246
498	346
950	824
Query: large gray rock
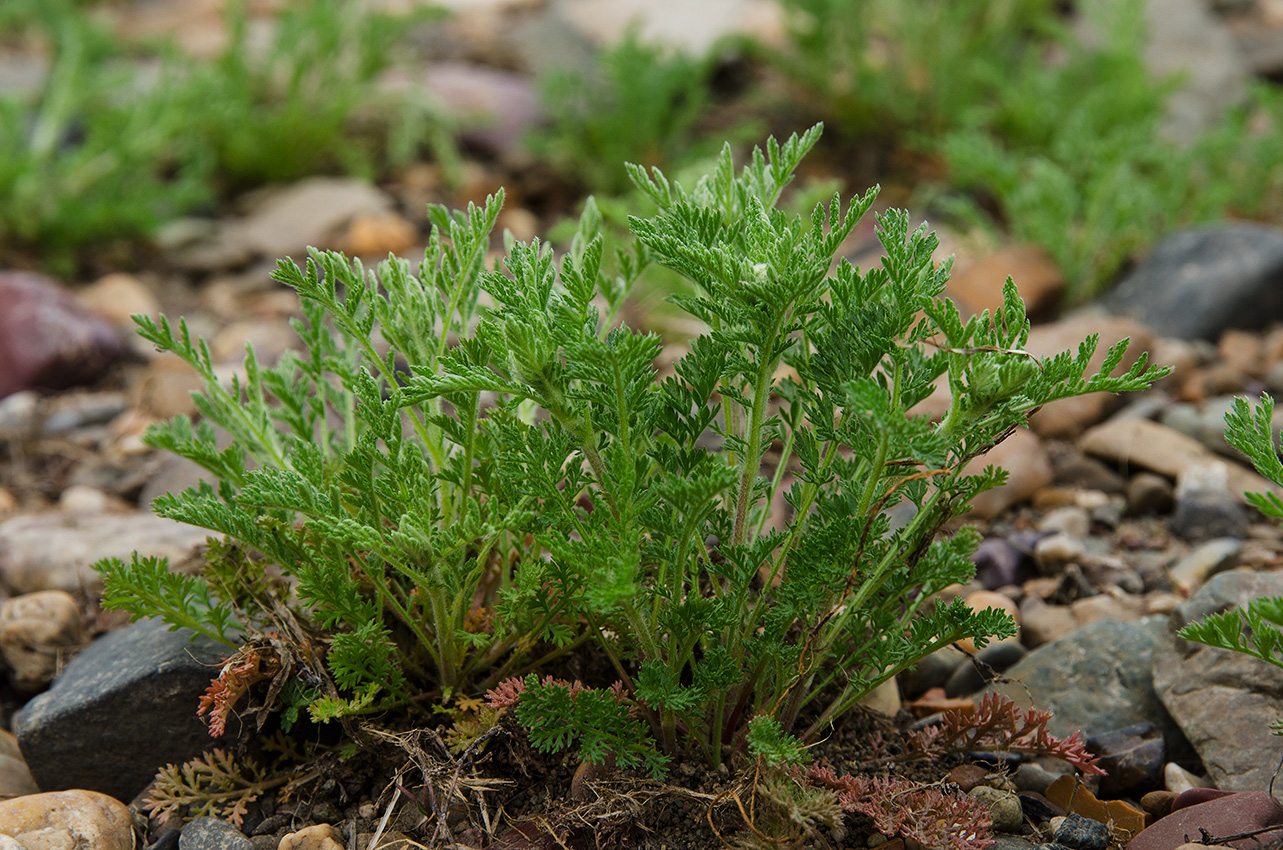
1201	281
121	710
1224	701
1095	680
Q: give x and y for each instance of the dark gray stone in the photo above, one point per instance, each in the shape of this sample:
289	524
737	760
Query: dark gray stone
969	677
1095	680
1132	759
1208	514
212	834
1201	281
1224	701
1001	562
1080	833
121	710
1148	493
931	672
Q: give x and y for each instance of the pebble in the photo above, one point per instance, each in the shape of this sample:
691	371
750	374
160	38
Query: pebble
967	776
39	632
931	672
1004	807
1071	795
977	285
499	108
321	836
1207	559
379	234
1094	681
117	297
1148	494
165	388
999	563
313	212
1040	623
48	339
1205	505
1107	606
75	411
1071	520
270	337
970	676
1158	803
212	834
1194	796
1132	759
58	820
1178	780
1157	448
1054	552
19	414
15	776
81	498
1029	470
934	701
1079	472
1080	833
885	698
1038	774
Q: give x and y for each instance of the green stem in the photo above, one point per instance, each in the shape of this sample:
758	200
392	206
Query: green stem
752	461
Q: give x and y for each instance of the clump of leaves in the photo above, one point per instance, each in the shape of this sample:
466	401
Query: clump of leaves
640	105
1257	629
308	101
999	725
557	713
528	462
215	784
885	68
97	152
927	814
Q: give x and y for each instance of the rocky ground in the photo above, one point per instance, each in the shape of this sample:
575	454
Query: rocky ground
1123	519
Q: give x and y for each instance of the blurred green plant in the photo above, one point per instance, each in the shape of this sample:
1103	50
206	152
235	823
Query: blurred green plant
1076	159
1057	140
98	151
886	67
640	104
118	139
308	101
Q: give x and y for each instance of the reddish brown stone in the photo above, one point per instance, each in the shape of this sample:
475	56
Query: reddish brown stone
48	340
1230	815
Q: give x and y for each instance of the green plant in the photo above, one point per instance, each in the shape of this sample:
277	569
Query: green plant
1257	629
640	105
308	101
887	68
491	484
97	152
